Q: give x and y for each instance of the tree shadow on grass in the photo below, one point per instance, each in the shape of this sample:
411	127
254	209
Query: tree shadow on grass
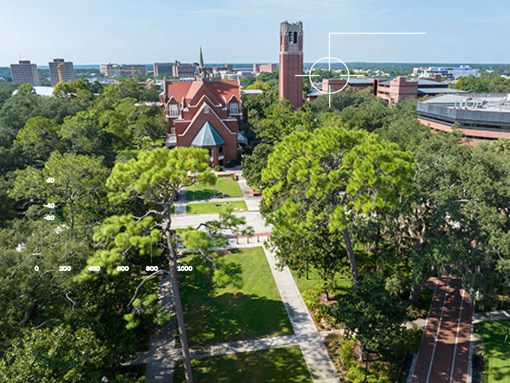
216	310
496	364
194	195
265	366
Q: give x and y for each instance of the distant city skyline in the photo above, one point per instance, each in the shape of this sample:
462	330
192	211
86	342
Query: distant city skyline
97	32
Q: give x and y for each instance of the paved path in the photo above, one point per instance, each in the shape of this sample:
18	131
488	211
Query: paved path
251	201
180	204
248	345
491	316
180	208
159	366
446	345
243	185
241	346
253	219
216	200
418	323
312	344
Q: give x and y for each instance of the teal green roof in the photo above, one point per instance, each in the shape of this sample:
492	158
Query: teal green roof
207	136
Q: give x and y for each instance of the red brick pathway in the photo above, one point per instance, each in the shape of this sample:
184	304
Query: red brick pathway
444	352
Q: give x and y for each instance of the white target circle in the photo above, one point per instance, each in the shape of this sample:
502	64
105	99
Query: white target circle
329	60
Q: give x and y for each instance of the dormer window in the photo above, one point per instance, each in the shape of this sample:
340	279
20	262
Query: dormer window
234	109
174	111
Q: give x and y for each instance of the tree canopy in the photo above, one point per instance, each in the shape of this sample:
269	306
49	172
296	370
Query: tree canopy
323	180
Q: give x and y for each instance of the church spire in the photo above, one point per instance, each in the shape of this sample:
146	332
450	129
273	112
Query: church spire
202	72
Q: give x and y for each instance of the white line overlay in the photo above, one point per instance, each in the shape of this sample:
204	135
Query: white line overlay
367	34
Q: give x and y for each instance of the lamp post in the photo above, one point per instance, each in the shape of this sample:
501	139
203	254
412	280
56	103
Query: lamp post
364	353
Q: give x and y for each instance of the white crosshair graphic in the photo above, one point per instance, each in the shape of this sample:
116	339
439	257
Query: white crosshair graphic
335	59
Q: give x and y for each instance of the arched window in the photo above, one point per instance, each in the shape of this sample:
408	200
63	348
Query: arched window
295	38
290	38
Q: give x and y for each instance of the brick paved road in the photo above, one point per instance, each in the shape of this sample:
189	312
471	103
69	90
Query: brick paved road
444	352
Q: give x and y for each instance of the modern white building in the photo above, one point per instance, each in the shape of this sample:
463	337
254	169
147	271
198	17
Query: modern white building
43	91
451	73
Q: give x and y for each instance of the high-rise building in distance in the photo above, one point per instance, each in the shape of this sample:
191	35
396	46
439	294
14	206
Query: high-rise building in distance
25	72
183	70
163	68
264	68
122	70
61	70
291	62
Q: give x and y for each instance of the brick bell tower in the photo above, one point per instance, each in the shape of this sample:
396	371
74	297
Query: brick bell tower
291	62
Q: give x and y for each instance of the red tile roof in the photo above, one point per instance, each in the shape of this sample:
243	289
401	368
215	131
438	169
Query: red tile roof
221	91
177	90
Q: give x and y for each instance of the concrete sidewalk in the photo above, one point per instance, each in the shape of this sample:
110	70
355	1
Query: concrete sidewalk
216	200
253	219
159	367
241	181
312	344
491	316
240	346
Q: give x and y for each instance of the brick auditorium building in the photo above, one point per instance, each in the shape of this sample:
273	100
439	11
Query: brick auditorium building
204	114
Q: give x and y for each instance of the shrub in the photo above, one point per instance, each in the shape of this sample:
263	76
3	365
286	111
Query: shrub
346	353
412	339
357	374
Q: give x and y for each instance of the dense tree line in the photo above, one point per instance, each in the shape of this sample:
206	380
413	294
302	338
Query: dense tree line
88	189
484	84
56	155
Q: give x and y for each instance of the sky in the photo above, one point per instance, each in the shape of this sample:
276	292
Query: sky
247	31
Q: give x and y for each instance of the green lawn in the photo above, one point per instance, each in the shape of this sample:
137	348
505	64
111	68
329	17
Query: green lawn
496	359
223	185
277	365
241	302
342	282
214	207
